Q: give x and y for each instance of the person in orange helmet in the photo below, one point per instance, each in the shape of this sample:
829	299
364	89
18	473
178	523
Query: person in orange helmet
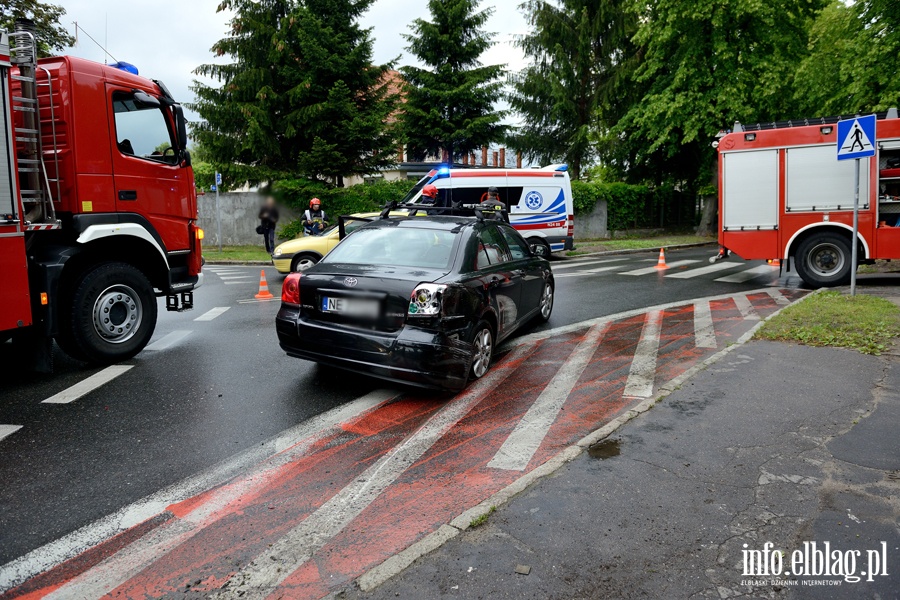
314	219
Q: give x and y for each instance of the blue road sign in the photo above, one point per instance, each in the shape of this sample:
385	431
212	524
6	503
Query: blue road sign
212	188
856	138
218	179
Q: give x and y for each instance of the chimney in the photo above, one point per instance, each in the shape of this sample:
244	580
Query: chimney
502	157
400	154
466	159
496	158
484	156
518	160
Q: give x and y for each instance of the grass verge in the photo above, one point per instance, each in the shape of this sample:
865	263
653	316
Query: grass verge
243	253
587	246
867	324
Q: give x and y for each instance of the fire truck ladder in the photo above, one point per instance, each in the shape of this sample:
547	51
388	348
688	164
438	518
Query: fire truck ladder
37	198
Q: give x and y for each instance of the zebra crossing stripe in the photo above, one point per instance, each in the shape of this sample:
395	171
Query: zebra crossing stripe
648	270
747	311
643	365
704	332
748	274
719	266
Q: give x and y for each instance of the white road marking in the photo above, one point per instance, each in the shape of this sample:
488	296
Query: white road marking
592	271
748	274
268	570
212	314
648	270
719	266
779	298
704	332
242	282
230	277
275	299
577	265
746	307
287	445
8	430
88	385
168	340
643	365
519	448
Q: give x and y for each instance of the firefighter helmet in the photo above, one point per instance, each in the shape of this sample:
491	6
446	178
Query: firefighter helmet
315	202
430	191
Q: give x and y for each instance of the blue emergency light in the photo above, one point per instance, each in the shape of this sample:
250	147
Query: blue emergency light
127	67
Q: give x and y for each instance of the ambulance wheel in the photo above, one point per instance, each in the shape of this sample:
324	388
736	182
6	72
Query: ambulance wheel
111	314
823	260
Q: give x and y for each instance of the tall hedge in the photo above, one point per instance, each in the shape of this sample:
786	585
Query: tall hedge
628	206
336	201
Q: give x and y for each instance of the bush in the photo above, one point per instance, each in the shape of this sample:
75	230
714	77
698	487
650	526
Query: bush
628	206
336	201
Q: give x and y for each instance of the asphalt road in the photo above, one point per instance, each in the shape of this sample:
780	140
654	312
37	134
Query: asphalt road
207	389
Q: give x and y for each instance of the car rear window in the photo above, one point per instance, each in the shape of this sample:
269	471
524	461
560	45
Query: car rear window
396	246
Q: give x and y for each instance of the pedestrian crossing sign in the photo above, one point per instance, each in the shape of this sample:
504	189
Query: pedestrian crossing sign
856	138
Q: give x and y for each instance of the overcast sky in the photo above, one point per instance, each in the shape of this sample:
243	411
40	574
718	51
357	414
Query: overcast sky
167	40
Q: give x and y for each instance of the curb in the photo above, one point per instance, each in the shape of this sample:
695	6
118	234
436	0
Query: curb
248	263
403	559
639	250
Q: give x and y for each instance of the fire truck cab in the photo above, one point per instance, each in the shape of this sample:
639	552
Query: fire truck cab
784	195
98	206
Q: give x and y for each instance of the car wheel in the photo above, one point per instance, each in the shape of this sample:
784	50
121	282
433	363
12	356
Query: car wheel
482	350
111	316
536	240
823	260
303	262
546	303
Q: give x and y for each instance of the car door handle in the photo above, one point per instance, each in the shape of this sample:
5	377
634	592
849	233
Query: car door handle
127	194
518	273
496	281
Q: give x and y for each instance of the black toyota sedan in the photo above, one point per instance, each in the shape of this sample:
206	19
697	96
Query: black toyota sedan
418	300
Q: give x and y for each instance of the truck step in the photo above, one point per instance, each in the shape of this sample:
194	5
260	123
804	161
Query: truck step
22	100
30	109
26	139
25	130
23	79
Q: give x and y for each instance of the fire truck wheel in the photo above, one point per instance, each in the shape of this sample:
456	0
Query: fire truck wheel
113	314
823	260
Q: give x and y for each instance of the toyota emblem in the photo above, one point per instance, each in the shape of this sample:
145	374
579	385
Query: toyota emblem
351	281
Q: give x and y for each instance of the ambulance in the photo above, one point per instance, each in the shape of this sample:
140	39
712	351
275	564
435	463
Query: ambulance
539	200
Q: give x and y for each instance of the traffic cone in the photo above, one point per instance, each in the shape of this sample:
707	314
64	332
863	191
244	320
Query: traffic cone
264	293
661	264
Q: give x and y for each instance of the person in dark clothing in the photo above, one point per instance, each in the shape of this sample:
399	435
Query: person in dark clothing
314	219
268	219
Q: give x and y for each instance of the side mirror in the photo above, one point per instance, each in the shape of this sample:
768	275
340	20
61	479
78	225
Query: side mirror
540	250
180	127
145	99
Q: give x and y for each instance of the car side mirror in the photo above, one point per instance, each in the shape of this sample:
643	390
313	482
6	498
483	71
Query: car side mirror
539	250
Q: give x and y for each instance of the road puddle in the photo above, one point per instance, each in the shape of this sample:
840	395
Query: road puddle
604	449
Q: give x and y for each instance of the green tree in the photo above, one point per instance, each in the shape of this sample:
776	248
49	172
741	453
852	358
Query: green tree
299	96
706	65
51	36
852	48
579	50
450	103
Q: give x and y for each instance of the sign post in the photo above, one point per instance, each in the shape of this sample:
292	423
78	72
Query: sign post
218	217
855	140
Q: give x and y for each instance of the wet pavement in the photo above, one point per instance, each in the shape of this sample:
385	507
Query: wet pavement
775	443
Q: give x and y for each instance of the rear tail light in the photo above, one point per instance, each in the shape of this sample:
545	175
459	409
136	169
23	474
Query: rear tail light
570	232
290	291
425	300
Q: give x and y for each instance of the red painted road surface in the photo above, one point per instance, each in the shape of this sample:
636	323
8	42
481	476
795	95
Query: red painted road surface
318	515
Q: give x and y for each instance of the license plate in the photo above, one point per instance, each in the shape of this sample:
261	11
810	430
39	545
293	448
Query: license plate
355	307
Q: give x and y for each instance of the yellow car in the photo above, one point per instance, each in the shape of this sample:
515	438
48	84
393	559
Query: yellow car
302	253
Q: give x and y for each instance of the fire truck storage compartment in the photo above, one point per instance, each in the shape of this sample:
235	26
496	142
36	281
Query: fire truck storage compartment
750	181
889	183
817	181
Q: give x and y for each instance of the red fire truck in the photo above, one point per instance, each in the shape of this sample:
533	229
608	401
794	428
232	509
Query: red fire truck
784	195
98	206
